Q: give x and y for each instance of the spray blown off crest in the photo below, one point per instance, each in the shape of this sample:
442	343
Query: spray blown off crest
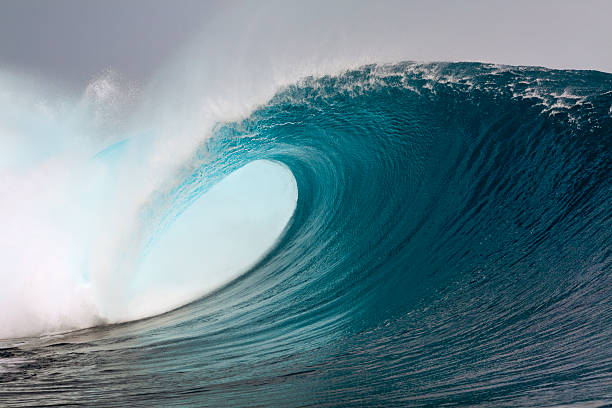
85	191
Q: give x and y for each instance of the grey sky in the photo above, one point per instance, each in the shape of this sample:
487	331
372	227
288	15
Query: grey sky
72	40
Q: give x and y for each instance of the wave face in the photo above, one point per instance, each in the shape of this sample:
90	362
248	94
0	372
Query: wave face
450	245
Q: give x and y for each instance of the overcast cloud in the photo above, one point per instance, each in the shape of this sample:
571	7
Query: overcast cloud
72	41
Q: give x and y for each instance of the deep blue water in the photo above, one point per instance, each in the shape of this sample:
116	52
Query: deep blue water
451	245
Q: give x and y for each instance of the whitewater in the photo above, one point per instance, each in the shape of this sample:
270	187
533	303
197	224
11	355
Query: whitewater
318	223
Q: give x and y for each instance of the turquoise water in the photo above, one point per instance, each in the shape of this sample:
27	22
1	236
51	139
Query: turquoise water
450	244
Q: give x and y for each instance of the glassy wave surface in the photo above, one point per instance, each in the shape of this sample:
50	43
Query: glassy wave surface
450	244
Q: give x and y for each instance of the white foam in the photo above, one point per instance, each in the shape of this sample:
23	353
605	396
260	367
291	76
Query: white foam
72	222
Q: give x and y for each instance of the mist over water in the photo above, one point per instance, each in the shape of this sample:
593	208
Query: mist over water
79	208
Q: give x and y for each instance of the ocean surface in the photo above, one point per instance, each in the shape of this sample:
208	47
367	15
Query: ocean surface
441	236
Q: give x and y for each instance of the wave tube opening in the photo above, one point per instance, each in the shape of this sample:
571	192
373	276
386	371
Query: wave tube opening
218	237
